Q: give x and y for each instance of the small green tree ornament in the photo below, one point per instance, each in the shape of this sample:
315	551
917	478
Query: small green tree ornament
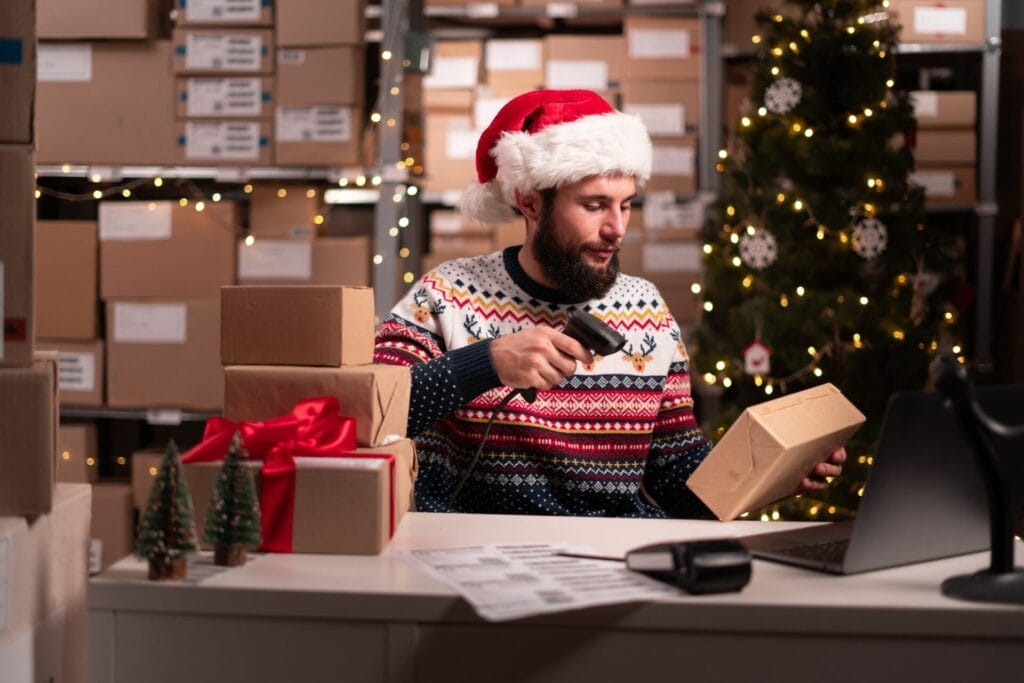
233	516
166	531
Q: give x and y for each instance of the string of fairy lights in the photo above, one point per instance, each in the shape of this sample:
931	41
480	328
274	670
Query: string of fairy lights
725	372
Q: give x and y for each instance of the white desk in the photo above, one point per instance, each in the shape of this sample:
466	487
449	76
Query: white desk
346	618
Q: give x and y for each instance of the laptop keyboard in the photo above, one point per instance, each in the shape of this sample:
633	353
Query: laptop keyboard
831	552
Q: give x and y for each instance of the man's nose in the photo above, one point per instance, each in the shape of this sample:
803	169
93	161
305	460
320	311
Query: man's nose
615	226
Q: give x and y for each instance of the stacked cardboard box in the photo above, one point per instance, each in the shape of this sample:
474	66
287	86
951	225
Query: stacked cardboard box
945	146
449	128
453	236
940	21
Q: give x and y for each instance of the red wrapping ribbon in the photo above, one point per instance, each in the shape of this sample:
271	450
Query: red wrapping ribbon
312	429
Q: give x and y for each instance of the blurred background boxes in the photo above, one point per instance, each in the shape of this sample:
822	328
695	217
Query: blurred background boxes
285	211
28	436
17	70
224	12
112	530
81	371
17	220
77	453
321	261
320	22
107	19
940	21
221	51
661	48
67	305
213	142
225	97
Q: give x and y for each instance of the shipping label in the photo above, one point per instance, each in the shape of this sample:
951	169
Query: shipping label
291	57
314	124
460	139
673	160
275	260
453	72
940	20
134	221
221	140
672	257
224	97
137	323
219	52
577	73
512	55
926	103
485	109
77	371
660	119
661	211
228	11
64	62
659	44
935	183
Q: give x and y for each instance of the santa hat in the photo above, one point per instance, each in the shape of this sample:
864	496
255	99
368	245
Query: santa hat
550	138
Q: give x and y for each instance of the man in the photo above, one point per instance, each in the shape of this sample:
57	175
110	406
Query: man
605	436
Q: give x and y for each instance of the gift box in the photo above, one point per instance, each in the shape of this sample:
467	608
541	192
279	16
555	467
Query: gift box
318	493
771	447
377	396
28	436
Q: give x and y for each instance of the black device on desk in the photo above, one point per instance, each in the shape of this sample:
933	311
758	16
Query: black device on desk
717	565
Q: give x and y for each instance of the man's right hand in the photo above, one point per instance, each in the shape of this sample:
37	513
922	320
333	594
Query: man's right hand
538	357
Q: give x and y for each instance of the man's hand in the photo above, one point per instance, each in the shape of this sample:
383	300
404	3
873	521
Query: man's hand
832	466
538	357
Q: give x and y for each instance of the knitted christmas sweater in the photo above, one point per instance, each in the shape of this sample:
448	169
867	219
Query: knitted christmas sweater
617	438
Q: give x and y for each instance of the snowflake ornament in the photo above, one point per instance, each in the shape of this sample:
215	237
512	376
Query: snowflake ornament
759	250
782	95
870	238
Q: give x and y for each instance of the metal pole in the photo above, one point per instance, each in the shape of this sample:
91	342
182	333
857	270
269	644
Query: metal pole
712	79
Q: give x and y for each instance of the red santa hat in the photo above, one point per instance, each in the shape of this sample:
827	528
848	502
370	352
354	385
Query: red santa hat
550	138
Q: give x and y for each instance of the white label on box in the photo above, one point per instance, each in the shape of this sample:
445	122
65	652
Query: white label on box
661	211
486	108
77	371
5	579
940	20
223	52
461	139
314	124
134	221
673	160
561	10
222	10
512	55
445	223
224	97
659	44
453	72
576	73
925	103
672	257
150	323
64	62
482	10
291	57
660	119
219	140
275	260
95	555
164	416
935	183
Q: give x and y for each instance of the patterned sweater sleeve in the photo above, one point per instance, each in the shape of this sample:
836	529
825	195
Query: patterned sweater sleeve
678	445
443	379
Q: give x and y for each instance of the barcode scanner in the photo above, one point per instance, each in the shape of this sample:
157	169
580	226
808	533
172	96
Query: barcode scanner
719	565
584	328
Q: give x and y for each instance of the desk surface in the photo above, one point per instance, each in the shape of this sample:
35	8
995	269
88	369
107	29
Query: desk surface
903	600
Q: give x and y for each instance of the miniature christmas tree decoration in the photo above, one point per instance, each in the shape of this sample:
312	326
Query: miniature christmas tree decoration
166	531
233	517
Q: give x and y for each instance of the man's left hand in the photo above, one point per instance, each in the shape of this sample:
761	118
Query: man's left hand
832	466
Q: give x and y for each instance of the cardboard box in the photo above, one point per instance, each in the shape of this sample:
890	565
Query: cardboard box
28	436
661	48
590	62
450	152
17	239
17	70
377	396
454	64
940	21
320	22
77	453
216	52
67	302
145	466
219	142
80	19
343	506
81	372
945	108
944	185
668	108
320	75
113	123
515	65
318	135
161	249
950	147
285	211
740	24
297	325
164	354
224	13
45	579
771	447
322	261
248	97
673	165
112	531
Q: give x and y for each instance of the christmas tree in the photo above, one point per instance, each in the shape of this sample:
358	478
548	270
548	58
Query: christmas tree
233	517
166	531
819	263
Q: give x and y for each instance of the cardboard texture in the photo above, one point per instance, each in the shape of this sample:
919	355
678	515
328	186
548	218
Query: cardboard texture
221	51
661	48
945	108
78	19
297	325
28	436
952	147
771	447
17	70
449	154
164	250
945	185
224	13
343	506
77	454
200	97
291	216
377	396
320	75
145	466
322	261
17	240
46	578
591	62
164	354
218	142
82	371
113	123
112	532
940	21
67	302
320	22
514	65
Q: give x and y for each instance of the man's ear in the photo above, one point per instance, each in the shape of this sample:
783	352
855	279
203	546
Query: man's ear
530	204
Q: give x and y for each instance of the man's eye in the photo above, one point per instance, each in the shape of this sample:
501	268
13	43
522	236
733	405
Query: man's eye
592	207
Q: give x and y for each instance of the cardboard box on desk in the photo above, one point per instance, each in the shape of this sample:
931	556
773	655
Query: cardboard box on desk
296	325
112	530
17	71
81	371
343	505
377	396
17	241
67	264
77	453
771	447
322	261
28	436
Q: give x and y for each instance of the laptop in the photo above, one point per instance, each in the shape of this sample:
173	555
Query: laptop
924	499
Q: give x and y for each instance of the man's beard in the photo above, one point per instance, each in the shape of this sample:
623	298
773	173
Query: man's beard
565	267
